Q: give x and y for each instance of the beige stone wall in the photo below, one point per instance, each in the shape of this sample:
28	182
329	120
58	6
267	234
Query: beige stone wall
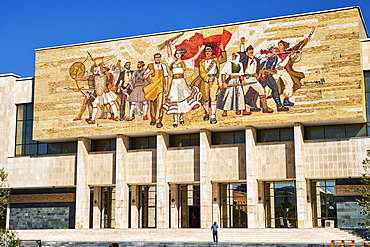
8	123
142	167
13	91
101	169
331	63
275	161
227	163
336	158
58	171
366	54
183	164
23	94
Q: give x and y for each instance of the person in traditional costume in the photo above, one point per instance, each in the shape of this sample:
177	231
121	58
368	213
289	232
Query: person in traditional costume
157	76
209	71
137	97
110	95
286	77
253	89
208	64
231	97
270	62
122	88
181	98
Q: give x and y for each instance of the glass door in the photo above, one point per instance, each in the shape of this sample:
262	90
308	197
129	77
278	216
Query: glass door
281	204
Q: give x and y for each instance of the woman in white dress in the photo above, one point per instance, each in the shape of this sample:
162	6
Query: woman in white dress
181	98
231	97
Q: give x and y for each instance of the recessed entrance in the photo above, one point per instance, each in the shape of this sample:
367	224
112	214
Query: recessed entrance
189	208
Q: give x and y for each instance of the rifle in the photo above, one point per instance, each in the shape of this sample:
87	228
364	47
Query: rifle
312	31
240	84
288	52
93	59
162	45
108	59
87	95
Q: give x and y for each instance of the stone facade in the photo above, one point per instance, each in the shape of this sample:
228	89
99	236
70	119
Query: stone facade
126	173
43	217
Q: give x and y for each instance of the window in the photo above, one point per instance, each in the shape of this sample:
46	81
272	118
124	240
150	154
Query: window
275	135
189	205
147	206
62	147
103	145
281	204
233	206
324	203
25	145
147	142
367	93
334	131
232	137
184	140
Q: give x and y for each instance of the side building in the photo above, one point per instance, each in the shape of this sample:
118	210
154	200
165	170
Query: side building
83	147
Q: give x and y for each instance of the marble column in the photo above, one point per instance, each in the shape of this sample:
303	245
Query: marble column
163	219
82	188
304	212
254	219
205	183
134	206
216	213
174	206
122	193
97	207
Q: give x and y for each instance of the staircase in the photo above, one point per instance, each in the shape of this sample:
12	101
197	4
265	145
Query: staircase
284	236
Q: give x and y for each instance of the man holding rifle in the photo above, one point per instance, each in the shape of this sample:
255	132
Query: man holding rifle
286	77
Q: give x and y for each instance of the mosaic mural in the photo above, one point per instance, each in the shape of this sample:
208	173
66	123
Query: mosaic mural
294	69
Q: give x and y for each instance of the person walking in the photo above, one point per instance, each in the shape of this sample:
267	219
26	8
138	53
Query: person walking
114	245
214	229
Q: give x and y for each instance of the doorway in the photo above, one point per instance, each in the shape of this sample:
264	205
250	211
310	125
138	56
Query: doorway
280	204
189	208
233	205
147	206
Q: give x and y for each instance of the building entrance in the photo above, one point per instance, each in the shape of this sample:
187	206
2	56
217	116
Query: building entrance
189	208
102	207
233	199
324	202
280	204
147	206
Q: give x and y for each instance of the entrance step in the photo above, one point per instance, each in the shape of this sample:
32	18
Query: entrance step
226	235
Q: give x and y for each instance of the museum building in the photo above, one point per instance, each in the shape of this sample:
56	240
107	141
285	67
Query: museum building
297	168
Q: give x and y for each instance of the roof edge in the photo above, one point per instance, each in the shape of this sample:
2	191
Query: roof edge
10	74
363	21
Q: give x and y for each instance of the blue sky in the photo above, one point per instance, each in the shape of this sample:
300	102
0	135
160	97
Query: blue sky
26	25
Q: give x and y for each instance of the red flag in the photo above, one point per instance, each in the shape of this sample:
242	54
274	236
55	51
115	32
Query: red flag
197	40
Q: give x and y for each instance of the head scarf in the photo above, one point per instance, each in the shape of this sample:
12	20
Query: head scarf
237	59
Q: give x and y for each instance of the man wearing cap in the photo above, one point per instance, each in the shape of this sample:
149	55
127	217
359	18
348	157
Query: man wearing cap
252	66
209	71
286	76
270	62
